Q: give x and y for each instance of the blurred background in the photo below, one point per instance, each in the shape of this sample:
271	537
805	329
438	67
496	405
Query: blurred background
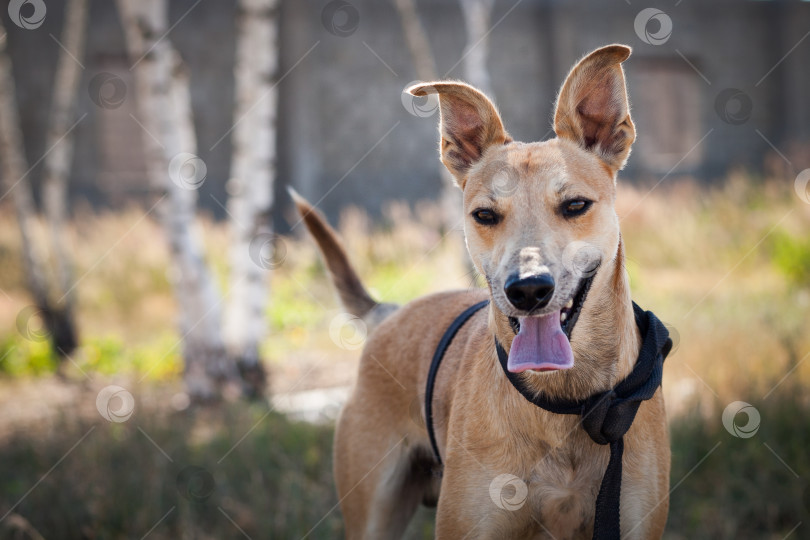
172	356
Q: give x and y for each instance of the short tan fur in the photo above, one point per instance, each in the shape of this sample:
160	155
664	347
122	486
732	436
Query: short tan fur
383	461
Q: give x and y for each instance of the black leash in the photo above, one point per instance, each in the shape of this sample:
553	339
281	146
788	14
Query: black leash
606	416
448	336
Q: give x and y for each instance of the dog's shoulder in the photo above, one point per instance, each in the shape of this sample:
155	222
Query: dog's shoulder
415	329
431	314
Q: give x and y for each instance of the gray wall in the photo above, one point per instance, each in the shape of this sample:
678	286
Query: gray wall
340	100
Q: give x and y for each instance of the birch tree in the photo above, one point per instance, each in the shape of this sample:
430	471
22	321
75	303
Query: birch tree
15	170
424	63
477	14
417	40
250	187
15	181
58	160
162	88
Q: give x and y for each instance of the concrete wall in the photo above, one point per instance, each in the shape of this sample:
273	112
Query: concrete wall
346	138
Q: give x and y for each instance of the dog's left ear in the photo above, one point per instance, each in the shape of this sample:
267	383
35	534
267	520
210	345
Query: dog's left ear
592	108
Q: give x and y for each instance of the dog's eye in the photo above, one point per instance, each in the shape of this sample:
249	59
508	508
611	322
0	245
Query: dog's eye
485	216
575	207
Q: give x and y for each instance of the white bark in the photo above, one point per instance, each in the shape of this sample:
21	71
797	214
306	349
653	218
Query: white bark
60	141
163	95
450	199
477	15
251	184
15	180
417	40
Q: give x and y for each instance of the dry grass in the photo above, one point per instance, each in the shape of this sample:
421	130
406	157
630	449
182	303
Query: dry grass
727	267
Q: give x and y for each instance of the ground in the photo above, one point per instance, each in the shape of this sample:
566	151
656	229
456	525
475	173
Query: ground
727	268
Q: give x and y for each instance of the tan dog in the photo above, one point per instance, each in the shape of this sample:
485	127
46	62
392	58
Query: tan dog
539	219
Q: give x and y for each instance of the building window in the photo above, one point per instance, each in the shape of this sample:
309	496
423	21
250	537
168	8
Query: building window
666	109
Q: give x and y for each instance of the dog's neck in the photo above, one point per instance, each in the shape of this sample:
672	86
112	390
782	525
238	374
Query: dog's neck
605	340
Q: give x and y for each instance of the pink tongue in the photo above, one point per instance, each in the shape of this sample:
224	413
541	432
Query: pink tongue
540	345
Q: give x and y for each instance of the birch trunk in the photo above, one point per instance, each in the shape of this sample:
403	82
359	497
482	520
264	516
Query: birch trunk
162	88
58	161
417	40
477	15
15	182
450	199
251	186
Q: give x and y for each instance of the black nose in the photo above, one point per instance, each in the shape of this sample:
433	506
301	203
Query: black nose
529	293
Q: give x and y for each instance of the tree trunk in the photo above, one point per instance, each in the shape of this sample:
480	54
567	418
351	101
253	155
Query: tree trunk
162	88
417	40
476	20
450	199
251	187
57	166
15	171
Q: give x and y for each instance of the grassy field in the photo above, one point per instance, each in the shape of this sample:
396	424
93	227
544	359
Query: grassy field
727	268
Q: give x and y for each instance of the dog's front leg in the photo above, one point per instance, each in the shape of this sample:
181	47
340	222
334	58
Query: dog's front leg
477	503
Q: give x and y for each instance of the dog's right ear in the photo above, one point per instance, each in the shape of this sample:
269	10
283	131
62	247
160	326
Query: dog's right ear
469	125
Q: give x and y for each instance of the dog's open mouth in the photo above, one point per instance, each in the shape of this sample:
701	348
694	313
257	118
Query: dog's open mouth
543	343
570	313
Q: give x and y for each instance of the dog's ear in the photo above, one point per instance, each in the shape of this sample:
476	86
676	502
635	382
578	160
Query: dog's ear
592	108
469	125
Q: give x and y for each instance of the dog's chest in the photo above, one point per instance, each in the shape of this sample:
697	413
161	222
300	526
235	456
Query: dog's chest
562	491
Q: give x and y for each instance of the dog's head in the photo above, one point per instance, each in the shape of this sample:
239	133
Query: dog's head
540	216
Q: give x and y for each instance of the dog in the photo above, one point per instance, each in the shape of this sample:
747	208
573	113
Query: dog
541	228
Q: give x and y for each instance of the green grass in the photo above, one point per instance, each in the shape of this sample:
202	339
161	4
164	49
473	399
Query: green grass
745	488
273	476
276	482
187	474
727	268
791	255
20	356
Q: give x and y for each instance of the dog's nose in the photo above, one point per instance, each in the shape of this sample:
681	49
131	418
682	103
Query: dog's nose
531	292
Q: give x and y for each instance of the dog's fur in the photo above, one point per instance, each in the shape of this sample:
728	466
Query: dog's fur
384	466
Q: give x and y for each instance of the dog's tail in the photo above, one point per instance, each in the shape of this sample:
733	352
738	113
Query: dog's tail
353	295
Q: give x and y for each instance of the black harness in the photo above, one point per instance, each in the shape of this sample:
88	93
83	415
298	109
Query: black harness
605	416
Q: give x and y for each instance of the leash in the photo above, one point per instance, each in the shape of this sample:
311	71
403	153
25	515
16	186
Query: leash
438	355
606	416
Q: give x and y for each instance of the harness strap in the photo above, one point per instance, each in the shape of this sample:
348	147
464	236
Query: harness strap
438	355
605	416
